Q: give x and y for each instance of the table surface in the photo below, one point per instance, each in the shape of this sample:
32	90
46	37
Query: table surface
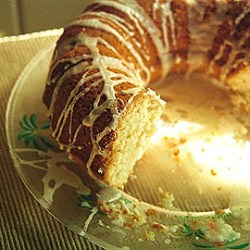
24	224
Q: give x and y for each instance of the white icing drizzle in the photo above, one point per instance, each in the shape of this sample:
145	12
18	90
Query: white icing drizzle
127	28
137	14
102	63
74	70
96	23
166	14
94	211
73	60
242	15
54	166
108	195
201	34
68	108
133	69
231	62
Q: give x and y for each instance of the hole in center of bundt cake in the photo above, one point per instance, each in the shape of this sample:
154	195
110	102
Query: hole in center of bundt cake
199	152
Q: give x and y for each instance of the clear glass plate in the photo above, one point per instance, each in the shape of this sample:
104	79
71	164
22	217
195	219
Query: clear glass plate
176	199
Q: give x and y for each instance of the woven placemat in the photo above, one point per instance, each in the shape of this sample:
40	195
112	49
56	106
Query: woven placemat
24	224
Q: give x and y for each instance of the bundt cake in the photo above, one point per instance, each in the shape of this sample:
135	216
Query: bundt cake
100	108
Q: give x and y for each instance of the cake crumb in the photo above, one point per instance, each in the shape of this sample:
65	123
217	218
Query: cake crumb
168	241
150	212
219	211
167	200
212	172
150	236
183	140
176	152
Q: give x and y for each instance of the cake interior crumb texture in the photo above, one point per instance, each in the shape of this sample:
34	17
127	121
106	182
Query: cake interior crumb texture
134	133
